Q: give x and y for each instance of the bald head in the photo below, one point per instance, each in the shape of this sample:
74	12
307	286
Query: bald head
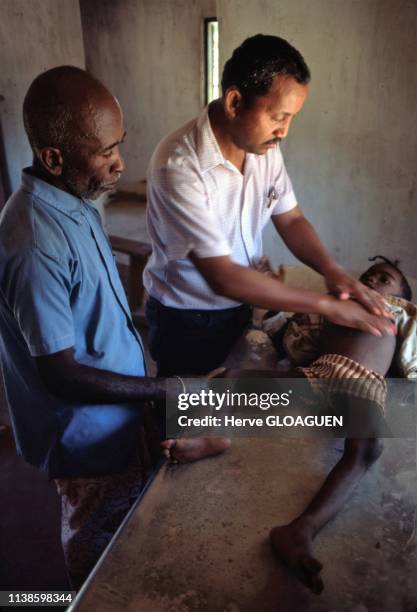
60	107
75	127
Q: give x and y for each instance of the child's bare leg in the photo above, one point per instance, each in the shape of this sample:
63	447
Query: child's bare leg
293	542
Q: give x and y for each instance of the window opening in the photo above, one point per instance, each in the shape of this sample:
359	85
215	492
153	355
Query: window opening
211	44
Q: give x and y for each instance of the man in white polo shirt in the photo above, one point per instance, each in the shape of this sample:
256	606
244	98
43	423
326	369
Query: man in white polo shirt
213	185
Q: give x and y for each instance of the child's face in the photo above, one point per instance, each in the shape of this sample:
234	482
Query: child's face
382	278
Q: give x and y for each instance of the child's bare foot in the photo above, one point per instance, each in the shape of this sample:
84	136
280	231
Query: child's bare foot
292	545
185	450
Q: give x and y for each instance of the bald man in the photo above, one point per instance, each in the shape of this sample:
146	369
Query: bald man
72	359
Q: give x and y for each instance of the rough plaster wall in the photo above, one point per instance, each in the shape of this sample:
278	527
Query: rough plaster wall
34	35
149	53
352	152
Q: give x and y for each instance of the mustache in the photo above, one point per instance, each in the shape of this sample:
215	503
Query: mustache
273	141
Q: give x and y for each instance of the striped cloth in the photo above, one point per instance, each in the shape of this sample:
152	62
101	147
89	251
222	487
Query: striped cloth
337	373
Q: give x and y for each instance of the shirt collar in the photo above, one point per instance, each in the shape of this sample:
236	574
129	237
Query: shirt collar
64	202
208	150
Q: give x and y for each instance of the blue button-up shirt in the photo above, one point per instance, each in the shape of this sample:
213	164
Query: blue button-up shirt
59	288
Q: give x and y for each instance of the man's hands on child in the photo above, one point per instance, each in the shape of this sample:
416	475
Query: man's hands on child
350	313
264	266
351	303
345	287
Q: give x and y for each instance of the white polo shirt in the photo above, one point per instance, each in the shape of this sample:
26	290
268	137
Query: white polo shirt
198	201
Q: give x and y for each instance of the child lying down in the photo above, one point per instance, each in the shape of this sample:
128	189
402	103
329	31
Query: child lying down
342	354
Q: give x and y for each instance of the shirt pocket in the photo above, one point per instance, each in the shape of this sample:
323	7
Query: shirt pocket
271	198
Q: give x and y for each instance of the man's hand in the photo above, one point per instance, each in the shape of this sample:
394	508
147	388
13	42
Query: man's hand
351	314
343	286
247	285
264	266
302	240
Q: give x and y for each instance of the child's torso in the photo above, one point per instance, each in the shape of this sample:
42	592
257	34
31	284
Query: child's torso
370	351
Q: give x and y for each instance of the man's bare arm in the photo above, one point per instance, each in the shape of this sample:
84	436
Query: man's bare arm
65	377
302	240
252	287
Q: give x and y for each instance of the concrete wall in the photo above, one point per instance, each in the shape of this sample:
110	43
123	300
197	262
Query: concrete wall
149	54
352	151
34	35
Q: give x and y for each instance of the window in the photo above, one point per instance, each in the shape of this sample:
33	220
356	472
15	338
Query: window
211	48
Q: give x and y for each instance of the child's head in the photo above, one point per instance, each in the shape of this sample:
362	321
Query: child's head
386	278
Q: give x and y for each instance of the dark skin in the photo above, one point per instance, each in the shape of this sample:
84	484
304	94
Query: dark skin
88	168
292	543
372	352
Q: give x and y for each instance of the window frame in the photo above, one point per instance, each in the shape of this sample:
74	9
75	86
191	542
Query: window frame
207	77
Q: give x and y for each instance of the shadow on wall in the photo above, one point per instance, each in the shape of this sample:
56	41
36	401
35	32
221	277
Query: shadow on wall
5	187
4	411
5	191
